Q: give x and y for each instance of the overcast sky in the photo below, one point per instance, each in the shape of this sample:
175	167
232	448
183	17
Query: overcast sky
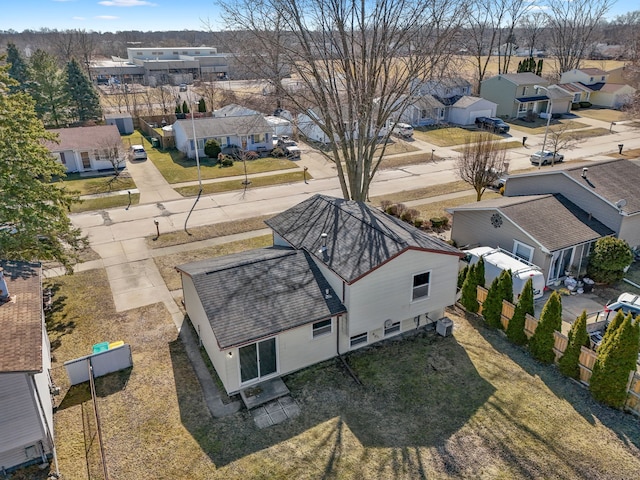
144	15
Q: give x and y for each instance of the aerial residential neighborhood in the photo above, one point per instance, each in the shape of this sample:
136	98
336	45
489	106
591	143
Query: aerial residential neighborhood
253	246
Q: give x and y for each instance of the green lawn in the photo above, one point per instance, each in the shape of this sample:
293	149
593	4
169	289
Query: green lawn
539	125
93	185
500	146
446	137
176	168
590	132
218	187
103	203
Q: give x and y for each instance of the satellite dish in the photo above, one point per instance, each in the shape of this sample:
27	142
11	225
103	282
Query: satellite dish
621	203
388	323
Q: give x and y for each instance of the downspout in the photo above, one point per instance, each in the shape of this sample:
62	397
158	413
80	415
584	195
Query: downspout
47	426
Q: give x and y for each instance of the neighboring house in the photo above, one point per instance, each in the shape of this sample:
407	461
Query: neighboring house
341	275
309	125
233	110
579	93
26	411
553	217
250	132
423	110
560	100
602	91
515	94
467	109
82	149
279	125
443	88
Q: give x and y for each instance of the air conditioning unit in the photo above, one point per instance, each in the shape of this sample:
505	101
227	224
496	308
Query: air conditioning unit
444	326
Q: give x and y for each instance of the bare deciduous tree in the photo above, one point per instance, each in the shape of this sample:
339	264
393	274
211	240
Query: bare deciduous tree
354	62
572	26
481	162
559	138
531	27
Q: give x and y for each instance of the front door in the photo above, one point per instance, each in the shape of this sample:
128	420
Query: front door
258	360
560	262
86	161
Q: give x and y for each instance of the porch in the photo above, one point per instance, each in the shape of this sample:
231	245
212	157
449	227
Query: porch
263	392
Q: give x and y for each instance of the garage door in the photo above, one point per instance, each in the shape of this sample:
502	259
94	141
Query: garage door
478	113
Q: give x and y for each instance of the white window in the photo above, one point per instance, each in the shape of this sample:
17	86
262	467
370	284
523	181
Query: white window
420	286
321	328
391	327
523	251
522	107
358	339
576	97
200	143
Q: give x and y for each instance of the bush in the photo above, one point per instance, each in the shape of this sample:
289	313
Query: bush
227	161
277	152
400	209
578	337
384	204
392	210
492	306
469	296
542	341
212	148
575	106
439	222
409	215
480	279
608	260
462	275
515	329
251	155
608	383
418	222
585	104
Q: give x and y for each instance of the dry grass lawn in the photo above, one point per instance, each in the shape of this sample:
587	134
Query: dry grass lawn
539	125
590	133
446	137
499	146
604	114
100	203
470	406
629	154
437	209
93	185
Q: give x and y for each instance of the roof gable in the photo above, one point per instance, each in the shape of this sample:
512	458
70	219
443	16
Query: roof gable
259	293
526	78
21	320
359	238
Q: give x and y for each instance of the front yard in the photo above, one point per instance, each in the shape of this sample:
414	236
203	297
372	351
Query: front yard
468	406
447	137
539	125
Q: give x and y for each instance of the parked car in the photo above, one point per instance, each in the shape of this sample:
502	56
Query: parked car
546	157
492	124
289	147
183	87
626	302
403	129
137	152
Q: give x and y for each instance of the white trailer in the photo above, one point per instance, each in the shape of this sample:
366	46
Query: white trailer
496	260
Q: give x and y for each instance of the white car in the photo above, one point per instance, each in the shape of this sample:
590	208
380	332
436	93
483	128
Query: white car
138	152
403	129
543	158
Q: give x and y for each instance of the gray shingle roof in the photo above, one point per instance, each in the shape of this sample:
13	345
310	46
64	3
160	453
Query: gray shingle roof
359	238
614	180
21	319
225	126
552	220
258	293
526	78
85	138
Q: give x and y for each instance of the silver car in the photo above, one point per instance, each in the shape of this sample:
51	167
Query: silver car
546	157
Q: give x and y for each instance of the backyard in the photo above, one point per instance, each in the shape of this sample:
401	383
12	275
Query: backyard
467	406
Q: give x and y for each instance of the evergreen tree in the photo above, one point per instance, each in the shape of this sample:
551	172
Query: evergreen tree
202	106
185	107
48	89
462	275
469	296
492	306
178	108
480	279
542	341
515	329
610	331
608	383
33	211
212	148
578	337
18	69
83	98
608	259
506	285
539	67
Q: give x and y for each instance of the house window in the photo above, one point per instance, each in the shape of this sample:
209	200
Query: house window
358	339
522	107
524	91
139	53
602	79
423	113
391	327
200	143
256	138
322	328
174	53
63	159
441	113
420	286
522	251
576	97
184	52
197	52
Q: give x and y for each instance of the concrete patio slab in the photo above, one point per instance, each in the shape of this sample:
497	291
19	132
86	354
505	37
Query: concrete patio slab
264	392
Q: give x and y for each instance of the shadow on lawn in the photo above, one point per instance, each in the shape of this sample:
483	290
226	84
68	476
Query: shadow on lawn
417	392
577	395
105	386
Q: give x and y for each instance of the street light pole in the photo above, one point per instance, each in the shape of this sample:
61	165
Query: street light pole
546	130
195	146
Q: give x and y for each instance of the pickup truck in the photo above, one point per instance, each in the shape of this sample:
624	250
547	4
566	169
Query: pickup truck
289	147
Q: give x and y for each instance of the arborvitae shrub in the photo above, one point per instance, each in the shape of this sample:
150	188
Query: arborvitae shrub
542	341
469	296
578	337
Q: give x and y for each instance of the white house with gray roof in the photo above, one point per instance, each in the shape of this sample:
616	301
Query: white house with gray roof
250	132
552	217
341	275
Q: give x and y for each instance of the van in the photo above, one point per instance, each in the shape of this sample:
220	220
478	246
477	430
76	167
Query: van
496	260
138	152
403	129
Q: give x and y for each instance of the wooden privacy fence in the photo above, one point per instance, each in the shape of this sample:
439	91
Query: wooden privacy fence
587	356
